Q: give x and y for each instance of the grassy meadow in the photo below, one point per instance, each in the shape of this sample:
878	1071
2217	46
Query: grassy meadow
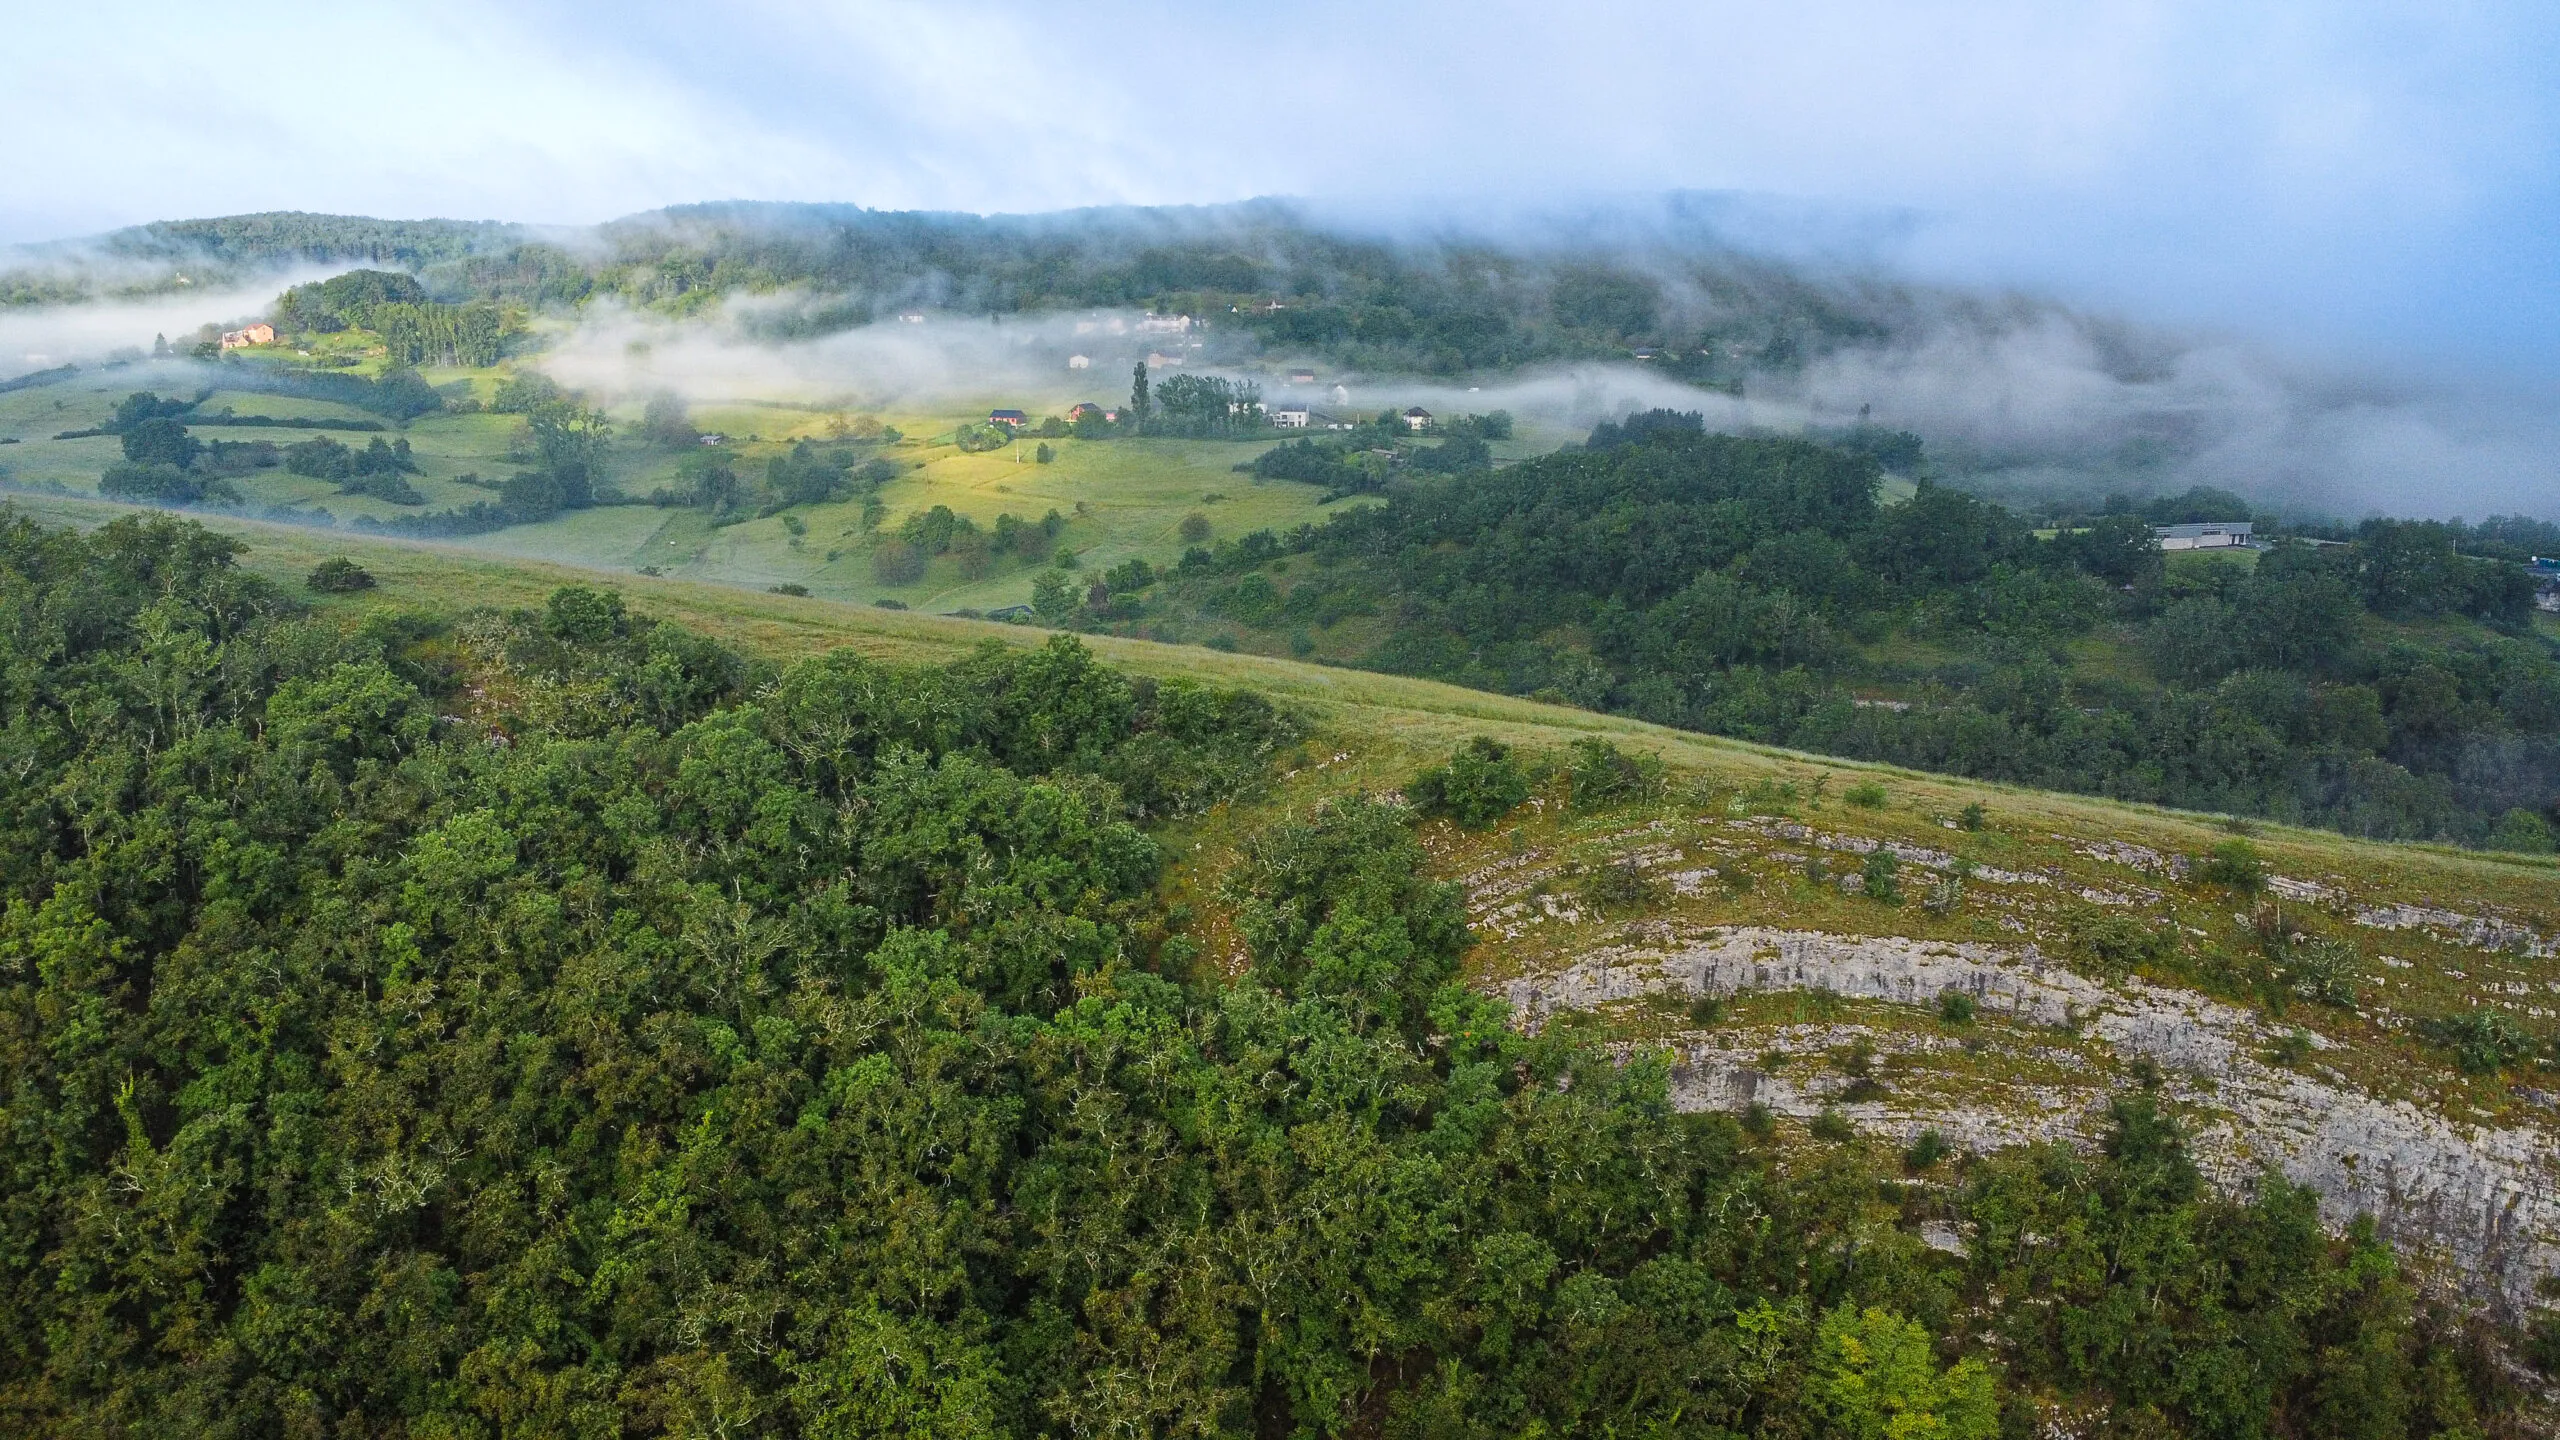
1120	498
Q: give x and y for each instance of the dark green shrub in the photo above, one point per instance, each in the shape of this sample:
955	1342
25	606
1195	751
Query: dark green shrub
2322	971
1603	775
1883	875
1479	785
338	576
2235	863
2110	945
1618	885
2483	1042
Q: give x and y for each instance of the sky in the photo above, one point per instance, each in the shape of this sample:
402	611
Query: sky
2373	178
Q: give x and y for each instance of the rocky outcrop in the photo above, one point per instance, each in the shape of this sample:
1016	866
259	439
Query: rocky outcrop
2487	1200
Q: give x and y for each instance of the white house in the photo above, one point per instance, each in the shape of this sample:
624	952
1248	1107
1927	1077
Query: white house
1079	362
1417	418
1155	324
1289	415
2216	535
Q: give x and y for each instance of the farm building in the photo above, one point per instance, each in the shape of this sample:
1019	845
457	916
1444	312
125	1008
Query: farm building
1014	418
2215	535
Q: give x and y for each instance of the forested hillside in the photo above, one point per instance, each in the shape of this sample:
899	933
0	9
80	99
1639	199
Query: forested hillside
552	1022
1755	586
1272	277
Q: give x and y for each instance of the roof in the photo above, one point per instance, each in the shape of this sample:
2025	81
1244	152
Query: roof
1417	410
2211	527
1006	415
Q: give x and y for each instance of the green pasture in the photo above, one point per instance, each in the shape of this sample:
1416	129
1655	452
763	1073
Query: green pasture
1120	498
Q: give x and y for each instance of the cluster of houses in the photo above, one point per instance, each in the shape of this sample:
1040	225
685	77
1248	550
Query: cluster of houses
1018	420
2216	535
1284	414
2241	534
1298	415
260	333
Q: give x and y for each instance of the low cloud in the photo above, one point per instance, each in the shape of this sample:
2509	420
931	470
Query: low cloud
39	337
2017	399
2051	401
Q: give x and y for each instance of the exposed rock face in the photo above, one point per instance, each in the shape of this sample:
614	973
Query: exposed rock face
2487	1200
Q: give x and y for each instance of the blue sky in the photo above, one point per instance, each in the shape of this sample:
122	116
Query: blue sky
2378	178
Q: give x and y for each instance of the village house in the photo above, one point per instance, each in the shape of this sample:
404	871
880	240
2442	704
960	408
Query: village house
1014	418
1079	362
2215	535
1157	361
1155	324
261	333
1417	418
2545	571
1302	377
1082	408
1289	415
910	317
